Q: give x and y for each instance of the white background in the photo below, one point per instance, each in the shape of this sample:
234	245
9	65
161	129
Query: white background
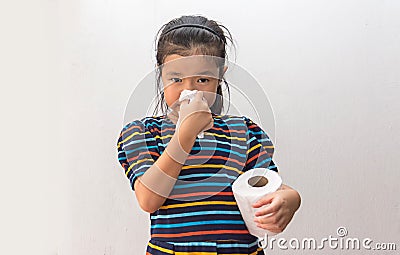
330	69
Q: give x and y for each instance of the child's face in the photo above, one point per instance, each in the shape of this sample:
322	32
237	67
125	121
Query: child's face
191	73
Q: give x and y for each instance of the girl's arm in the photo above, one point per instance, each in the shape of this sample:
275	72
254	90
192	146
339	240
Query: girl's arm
155	185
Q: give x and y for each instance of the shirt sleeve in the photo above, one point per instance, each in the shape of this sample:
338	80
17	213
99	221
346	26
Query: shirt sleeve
259	148
137	150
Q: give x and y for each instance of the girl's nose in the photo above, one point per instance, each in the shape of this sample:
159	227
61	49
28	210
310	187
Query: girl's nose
189	83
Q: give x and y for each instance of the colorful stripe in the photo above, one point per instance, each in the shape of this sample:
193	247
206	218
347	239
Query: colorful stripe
201	207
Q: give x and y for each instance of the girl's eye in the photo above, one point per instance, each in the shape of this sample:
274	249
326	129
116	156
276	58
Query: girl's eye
204	80
175	79
201	80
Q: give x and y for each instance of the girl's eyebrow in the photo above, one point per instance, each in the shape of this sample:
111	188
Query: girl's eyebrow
200	73
207	73
173	73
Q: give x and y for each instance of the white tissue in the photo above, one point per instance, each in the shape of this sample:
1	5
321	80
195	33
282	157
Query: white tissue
188	94
246	195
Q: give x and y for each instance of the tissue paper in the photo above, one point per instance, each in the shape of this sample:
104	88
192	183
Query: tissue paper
189	94
248	188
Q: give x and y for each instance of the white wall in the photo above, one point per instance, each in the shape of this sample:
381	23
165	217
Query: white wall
330	69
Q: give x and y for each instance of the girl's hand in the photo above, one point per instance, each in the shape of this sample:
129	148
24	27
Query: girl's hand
195	116
283	203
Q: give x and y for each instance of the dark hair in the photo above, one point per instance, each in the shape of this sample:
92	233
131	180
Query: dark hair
187	41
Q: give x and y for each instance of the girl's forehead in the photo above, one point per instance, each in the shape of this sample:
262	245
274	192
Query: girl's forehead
191	65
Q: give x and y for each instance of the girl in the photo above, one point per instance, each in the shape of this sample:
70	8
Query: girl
170	168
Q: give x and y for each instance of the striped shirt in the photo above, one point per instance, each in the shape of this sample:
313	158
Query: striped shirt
201	206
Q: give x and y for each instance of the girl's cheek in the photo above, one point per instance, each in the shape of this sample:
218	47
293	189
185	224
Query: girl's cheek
171	98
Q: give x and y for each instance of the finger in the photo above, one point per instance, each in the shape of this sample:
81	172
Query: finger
205	96
264	200
185	101
172	115
269	219
274	206
173	118
209	125
199	96
277	227
173	112
283	224
183	104
270	228
176	103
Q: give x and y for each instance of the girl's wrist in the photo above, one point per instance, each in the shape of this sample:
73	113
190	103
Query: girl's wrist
186	134
295	199
180	146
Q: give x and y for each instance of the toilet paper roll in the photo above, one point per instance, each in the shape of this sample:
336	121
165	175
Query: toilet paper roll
188	94
248	188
